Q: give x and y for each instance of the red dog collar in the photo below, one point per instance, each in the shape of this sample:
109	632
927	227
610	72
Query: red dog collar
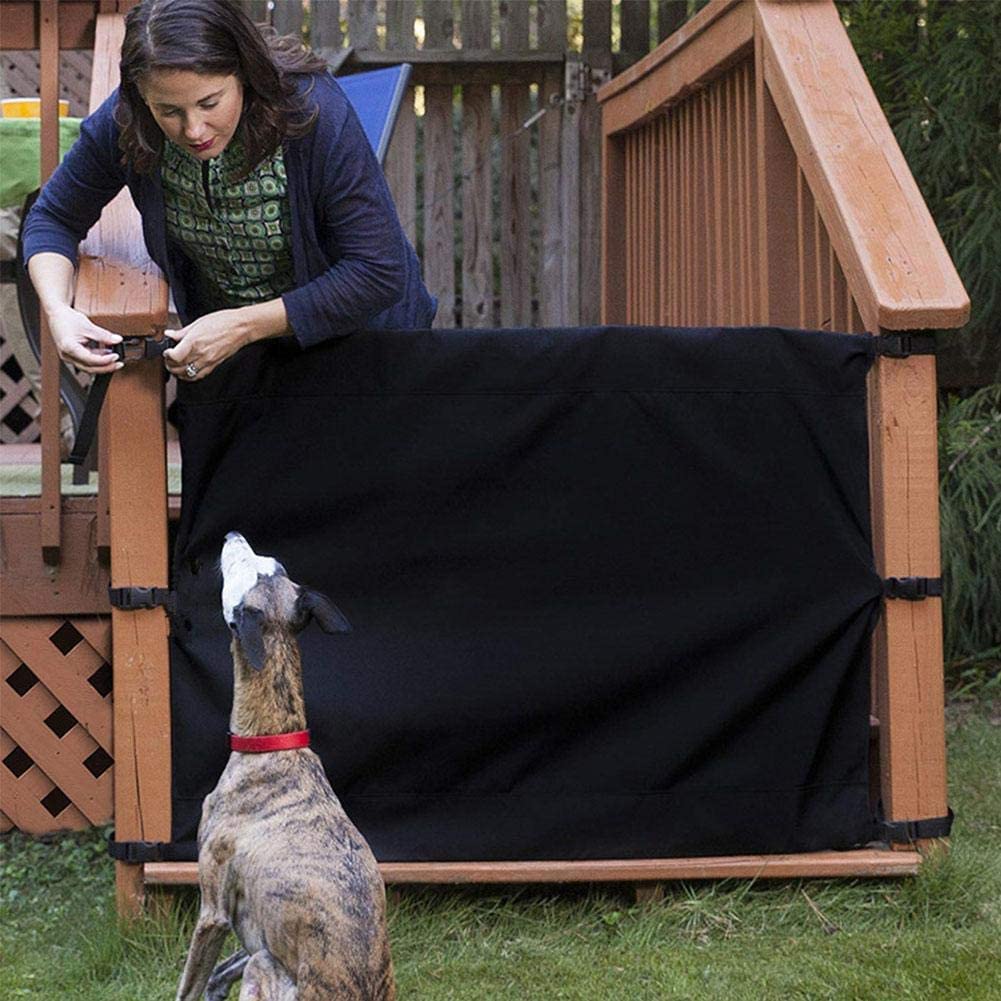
272	742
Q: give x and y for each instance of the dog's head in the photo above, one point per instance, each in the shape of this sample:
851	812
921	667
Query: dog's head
259	599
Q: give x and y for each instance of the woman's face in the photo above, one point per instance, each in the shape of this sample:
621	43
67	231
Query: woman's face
199	112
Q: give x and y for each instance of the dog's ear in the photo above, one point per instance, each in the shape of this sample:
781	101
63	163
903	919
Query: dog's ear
313	605
248	628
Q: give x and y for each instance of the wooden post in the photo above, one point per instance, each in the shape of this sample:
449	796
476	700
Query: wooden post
49	152
138	499
120	289
907	653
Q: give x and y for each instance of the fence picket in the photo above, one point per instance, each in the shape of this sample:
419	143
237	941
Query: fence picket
439	182
515	178
552	37
325	27
257	10
363	25
286	17
635	27
477	215
401	157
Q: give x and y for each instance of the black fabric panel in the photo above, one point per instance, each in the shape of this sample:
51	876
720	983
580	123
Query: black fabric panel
612	589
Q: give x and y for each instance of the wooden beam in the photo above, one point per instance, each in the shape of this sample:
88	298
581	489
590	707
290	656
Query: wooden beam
51	527
678	66
907	649
462	67
669	50
862	863
897	267
21	29
138	501
119	288
77	586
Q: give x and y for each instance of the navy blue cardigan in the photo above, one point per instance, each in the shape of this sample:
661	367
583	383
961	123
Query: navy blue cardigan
354	267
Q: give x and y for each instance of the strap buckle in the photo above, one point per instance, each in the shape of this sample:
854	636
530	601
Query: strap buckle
903	345
131	349
130	599
912	588
136	852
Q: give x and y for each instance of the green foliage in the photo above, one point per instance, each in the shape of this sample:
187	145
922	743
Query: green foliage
970	499
934	68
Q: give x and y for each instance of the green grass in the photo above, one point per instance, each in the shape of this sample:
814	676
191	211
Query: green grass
932	937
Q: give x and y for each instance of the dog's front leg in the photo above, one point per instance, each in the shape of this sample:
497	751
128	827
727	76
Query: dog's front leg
206	944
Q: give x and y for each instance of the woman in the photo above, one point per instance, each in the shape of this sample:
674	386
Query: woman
261	199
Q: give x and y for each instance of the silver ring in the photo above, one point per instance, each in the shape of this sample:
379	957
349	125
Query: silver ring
191	370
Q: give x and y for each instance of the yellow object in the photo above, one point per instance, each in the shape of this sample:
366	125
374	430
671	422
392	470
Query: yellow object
29	107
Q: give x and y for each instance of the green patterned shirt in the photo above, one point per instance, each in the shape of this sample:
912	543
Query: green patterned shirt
237	233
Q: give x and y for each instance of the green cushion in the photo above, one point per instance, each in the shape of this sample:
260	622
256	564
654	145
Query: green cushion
19	159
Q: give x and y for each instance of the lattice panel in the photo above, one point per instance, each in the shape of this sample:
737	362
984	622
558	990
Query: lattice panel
19	407
55	723
20	77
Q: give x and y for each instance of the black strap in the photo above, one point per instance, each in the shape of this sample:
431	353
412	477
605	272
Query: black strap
906	832
138	852
128	350
88	422
912	588
131	598
903	345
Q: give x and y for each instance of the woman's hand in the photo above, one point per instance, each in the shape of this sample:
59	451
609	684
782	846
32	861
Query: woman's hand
205	344
78	341
211	339
82	343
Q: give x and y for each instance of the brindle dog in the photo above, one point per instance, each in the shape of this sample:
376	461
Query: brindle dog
279	862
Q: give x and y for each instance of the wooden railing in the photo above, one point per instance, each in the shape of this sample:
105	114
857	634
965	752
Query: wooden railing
750	177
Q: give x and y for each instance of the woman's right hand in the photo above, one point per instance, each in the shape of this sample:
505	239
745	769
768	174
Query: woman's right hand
82	343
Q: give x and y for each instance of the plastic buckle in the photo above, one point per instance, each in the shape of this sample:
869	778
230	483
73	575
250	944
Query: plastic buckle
912	588
135	852
903	345
130	599
131	349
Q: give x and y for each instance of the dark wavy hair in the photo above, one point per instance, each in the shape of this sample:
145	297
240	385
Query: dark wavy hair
214	37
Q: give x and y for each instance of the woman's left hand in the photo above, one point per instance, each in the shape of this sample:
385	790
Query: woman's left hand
205	344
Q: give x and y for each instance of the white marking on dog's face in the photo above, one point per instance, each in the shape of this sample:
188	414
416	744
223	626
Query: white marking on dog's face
241	569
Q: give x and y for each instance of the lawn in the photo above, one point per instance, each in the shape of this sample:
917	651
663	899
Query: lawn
932	937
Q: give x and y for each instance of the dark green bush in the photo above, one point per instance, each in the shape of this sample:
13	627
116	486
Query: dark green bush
970	498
